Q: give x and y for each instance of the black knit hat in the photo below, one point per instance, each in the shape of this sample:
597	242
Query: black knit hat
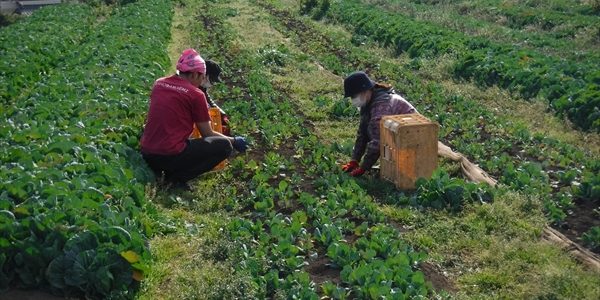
357	82
213	70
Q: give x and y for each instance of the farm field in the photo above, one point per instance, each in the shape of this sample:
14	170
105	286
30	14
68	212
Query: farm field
513	85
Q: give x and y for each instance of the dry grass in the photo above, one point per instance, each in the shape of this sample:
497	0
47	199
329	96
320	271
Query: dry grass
195	259
187	263
494	251
252	29
179	35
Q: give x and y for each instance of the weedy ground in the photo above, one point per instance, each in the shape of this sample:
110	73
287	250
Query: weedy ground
484	251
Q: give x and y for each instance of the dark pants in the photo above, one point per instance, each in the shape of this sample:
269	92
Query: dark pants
199	156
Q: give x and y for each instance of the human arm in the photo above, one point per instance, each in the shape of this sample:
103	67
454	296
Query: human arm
239	143
206	130
372	151
360	144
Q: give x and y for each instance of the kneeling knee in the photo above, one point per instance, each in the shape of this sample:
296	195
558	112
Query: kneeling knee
226	146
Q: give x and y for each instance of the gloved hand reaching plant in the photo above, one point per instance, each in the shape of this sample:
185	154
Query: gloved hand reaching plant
240	144
349	167
357	172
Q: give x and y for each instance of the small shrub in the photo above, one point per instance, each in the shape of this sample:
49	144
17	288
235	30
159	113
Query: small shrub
592	238
306	6
442	191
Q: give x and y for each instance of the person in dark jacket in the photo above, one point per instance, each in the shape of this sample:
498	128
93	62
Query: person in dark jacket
213	71
374	100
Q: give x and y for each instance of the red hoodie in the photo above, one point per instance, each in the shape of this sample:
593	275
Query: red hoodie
175	105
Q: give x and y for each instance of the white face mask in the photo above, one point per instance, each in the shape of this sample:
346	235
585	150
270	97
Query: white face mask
359	100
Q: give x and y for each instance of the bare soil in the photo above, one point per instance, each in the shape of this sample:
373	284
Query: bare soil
584	215
437	278
321	270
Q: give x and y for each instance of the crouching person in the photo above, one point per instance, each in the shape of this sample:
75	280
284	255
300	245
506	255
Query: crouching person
176	104
374	100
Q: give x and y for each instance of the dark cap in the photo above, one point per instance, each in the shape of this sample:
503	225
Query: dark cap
357	82
213	70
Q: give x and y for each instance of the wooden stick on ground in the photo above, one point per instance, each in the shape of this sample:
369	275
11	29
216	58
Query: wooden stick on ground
476	174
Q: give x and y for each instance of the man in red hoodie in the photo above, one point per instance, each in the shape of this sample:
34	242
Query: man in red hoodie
176	104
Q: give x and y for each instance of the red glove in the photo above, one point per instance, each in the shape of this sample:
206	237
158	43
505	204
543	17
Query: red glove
349	167
357	172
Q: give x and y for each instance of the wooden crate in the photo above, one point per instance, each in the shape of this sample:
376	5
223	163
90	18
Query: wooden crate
409	149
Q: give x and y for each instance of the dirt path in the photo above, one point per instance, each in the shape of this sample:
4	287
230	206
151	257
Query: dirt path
179	36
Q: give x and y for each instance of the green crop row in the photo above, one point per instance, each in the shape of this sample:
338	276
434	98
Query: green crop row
547	15
586	9
482	19
519	15
519	71
273	246
568	86
302	209
32	47
74	218
281	246
547	20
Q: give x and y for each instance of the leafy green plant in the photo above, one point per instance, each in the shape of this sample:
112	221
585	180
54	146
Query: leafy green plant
442	191
592	238
528	177
383	266
335	292
323	8
307	6
343	254
342	109
34	47
589	187
274	56
595	6
264	198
